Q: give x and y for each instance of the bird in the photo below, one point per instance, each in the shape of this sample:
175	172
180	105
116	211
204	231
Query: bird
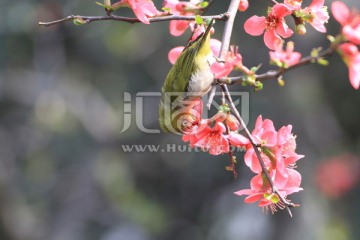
187	81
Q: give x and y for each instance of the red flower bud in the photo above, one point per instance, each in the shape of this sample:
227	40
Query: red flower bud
232	123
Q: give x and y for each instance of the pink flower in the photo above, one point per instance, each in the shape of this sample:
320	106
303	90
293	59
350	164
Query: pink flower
214	140
336	176
285	58
264	132
178	27
266	136
197	132
350	21
317	15
351	56
274	26
142	8
277	148
233	59
218	138
260	189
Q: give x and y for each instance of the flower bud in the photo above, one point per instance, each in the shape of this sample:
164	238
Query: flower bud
300	29
232	123
219	117
243	6
180	7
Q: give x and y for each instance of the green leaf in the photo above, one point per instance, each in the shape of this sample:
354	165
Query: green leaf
229	168
204	4
79	21
277	63
224	108
258	86
198	19
323	62
254	69
105	6
165	9
314	52
331	38
281	82
272	197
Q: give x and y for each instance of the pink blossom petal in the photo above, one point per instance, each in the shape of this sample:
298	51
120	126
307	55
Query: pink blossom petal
255	25
221	69
351	57
283	134
348	49
291	159
219	127
352	34
272	40
256	182
354	73
270	138
174	54
244	192
252	161
283	30
177	28
294	182
317	4
143	9
215	46
340	12
264	202
268	125
254	197
280	10
318	25
237	139
243	5
259	122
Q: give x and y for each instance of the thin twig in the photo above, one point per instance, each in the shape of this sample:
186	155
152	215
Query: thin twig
274	74
229	23
256	149
211	97
89	19
232	166
225	43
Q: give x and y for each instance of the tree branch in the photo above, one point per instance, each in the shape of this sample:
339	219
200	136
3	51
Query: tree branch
224	49
274	74
256	149
89	19
232	11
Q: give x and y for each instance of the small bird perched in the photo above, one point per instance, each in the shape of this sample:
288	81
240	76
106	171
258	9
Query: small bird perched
187	81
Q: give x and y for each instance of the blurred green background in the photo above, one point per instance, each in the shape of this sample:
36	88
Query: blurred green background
64	174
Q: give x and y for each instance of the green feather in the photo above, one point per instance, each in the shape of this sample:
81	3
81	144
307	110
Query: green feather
192	60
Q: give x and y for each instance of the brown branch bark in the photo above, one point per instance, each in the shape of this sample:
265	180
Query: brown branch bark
274	74
89	19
